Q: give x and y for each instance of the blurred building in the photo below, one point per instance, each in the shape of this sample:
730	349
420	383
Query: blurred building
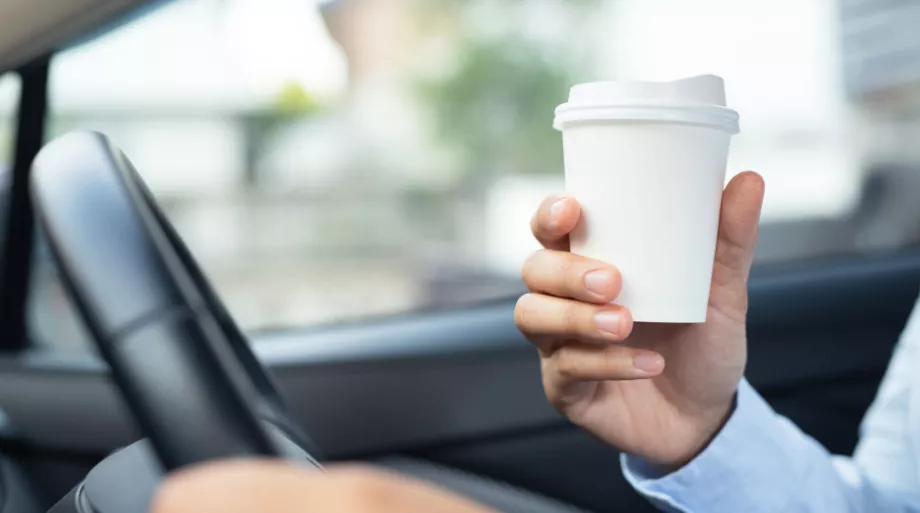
880	44
378	37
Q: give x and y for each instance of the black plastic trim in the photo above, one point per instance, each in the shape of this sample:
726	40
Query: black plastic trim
417	381
19	229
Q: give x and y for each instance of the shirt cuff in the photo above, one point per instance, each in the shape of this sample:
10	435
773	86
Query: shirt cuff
756	446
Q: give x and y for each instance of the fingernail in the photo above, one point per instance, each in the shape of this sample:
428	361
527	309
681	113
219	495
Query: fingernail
651	363
598	282
555	211
609	322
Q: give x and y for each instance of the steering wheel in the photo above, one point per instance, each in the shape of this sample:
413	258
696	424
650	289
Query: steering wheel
184	368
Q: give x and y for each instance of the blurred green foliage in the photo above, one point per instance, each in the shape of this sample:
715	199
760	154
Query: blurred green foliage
293	99
292	102
495	107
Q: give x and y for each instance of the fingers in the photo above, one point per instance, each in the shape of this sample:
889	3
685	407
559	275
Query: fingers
543	318
563	274
741	205
244	486
570	300
574	364
555	218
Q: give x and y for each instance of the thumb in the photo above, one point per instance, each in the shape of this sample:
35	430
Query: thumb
741	204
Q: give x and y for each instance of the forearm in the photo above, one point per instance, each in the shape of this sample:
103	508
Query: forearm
761	462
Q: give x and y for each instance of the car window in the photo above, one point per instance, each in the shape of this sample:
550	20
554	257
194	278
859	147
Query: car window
343	159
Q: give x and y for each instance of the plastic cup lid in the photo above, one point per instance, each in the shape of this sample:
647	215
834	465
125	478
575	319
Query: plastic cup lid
696	100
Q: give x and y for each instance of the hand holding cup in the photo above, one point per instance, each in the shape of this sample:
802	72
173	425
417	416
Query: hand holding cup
633	349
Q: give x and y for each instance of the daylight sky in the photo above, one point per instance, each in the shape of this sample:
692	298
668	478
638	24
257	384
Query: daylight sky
206	53
779	57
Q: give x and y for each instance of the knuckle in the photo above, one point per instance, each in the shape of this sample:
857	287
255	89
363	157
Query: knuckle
538	222
566	364
544	209
520	311
572	273
612	360
573	318
553	397
535	222
528	318
531	268
567	267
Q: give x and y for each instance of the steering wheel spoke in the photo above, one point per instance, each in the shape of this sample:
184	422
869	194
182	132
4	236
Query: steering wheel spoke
183	366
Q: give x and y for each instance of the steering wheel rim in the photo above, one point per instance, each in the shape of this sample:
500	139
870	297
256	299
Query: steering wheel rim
181	363
270	406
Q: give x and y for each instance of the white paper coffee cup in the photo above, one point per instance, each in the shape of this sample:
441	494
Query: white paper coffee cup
647	160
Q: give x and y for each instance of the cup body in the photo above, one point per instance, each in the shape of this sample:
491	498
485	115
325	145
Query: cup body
650	194
646	160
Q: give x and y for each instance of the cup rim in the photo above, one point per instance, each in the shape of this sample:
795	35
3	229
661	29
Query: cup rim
713	116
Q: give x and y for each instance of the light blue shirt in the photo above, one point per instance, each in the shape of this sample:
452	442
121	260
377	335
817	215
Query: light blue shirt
761	462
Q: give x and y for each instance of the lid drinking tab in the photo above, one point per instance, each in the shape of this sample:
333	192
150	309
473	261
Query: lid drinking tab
702	89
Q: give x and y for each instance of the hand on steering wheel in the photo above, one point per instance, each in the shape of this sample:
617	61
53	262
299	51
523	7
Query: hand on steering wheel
243	486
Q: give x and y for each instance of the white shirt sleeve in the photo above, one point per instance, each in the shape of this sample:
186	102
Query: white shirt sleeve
761	462
889	446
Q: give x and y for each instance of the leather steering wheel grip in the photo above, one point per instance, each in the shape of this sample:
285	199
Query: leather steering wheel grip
149	311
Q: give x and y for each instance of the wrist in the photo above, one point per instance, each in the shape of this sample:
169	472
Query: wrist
708	431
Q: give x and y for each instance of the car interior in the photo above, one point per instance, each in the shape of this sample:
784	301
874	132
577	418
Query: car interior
452	396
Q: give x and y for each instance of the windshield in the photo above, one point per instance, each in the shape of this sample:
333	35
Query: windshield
351	158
